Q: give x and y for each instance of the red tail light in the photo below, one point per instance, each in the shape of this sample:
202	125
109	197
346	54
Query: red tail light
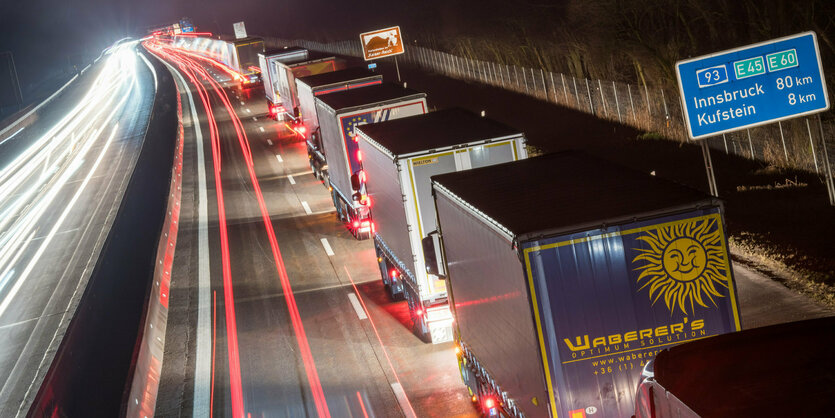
356	224
419	312
489	403
393	273
359	155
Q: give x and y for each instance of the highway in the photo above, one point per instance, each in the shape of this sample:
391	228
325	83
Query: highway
276	309
62	178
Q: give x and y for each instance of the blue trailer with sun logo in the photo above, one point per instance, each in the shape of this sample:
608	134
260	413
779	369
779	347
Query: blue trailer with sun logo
567	273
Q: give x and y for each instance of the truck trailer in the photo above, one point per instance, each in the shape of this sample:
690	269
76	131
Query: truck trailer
269	73
567	273
287	73
398	158
339	114
308	89
246	59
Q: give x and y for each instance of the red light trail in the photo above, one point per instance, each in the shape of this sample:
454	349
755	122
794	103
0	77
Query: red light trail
191	68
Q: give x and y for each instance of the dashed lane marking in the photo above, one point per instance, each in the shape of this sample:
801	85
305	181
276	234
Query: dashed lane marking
405	405
261	128
269	142
292	180
278	157
306	208
327	246
357	307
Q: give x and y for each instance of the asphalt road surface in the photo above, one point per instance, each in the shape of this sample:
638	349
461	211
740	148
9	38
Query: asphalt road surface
62	179
275	309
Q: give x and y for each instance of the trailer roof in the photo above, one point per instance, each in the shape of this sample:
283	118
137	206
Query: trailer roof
735	374
368	96
341	76
439	129
281	51
565	191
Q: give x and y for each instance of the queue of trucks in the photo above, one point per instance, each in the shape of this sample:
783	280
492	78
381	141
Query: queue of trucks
558	277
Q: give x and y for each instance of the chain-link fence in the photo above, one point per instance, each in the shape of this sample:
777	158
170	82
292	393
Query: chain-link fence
798	143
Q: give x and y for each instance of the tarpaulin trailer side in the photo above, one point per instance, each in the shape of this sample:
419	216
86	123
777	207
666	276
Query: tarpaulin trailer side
399	157
269	72
339	113
613	264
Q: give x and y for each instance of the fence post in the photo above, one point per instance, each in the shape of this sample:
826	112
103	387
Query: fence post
785	151
553	87
750	144
544	87
564	91
725	140
602	98
812	144
666	112
516	73
617	103
631	103
576	95
649	109
588	91
525	79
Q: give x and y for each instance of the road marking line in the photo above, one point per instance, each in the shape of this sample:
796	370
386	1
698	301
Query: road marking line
247	110
261	128
306	208
254	119
270	142
357	307
278	157
12	135
292	181
402	399
327	246
205	352
242	103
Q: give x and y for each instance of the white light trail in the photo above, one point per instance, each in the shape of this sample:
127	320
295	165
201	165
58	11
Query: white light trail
41	181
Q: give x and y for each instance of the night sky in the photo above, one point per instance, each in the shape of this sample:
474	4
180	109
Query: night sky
48	36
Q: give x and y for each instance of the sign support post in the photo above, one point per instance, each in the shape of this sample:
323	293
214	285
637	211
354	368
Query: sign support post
397	67
711	178
830	182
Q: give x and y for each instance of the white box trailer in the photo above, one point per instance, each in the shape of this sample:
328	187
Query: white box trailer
269	72
399	157
287	73
309	88
339	115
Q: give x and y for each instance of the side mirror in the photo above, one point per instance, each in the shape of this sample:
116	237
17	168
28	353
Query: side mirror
355	182
432	256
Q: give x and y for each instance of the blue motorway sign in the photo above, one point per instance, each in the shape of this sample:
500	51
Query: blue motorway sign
753	85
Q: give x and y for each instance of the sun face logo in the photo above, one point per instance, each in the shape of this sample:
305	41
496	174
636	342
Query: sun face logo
684	263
